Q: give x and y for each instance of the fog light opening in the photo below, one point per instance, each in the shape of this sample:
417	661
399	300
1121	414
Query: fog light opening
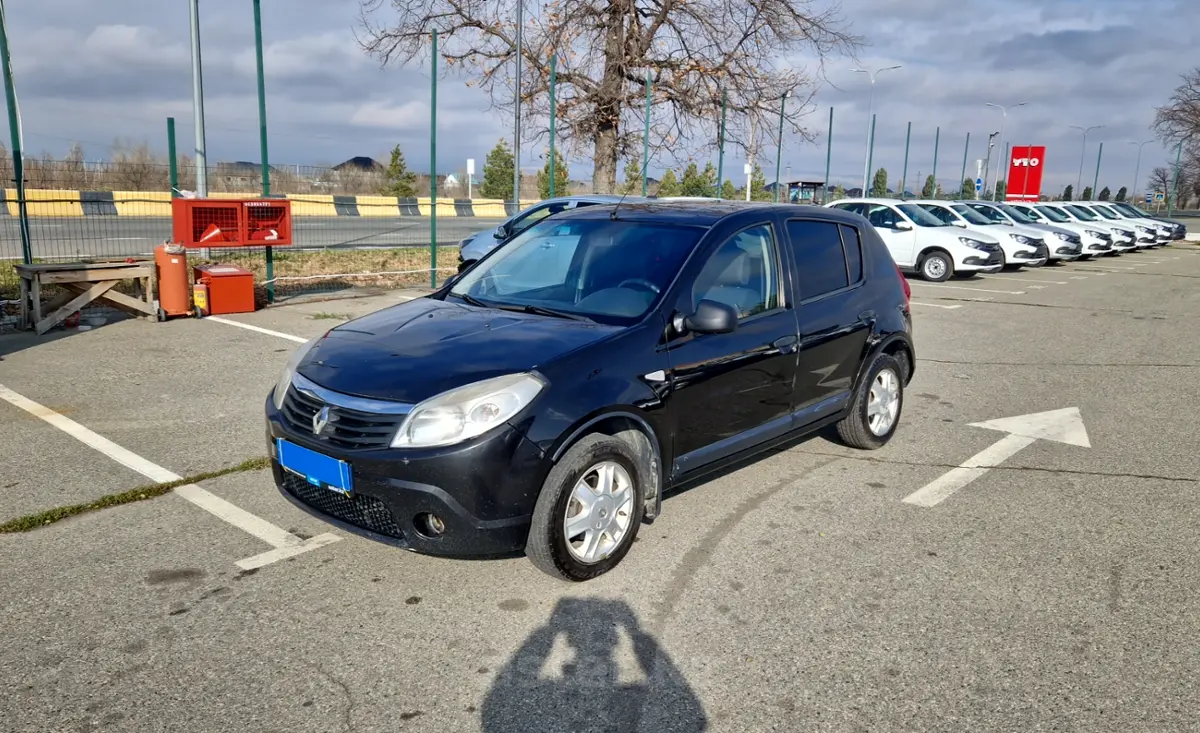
429	525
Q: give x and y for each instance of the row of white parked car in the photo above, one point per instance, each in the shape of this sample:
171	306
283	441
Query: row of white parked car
937	239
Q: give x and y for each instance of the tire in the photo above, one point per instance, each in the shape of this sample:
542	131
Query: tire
967	275
855	429
547	546
936	267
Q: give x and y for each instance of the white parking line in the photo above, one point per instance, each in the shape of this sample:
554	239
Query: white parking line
285	543
1026	280
259	329
959	287
935	305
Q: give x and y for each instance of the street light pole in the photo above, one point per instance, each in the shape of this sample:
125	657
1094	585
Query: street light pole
1082	152
870	108
1137	169
1004	110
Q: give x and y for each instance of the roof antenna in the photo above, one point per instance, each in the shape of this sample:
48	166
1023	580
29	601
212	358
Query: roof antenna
612	215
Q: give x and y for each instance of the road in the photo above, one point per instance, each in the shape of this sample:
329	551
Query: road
801	592
110	236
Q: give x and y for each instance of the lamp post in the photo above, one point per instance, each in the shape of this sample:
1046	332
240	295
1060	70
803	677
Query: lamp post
1004	110
870	108
1137	169
1082	152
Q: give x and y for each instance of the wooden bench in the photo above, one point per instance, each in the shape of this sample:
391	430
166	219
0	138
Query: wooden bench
85	283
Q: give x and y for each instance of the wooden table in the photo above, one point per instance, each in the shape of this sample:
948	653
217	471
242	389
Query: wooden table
84	283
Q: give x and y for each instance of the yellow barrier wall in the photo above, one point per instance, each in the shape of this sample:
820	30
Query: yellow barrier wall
378	205
142	203
445	207
492	208
315	204
46	202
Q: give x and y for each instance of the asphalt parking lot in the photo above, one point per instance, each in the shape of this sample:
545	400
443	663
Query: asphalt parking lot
1057	590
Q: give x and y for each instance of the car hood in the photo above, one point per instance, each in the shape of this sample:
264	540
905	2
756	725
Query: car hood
415	350
477	245
1050	229
972	231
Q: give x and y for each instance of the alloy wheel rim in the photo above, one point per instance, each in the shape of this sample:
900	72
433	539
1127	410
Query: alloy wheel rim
599	513
883	402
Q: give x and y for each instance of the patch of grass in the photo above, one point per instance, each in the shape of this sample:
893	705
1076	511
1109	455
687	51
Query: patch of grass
31	522
323	316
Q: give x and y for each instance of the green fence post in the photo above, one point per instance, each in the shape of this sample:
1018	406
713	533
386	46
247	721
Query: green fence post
963	176
904	173
1175	180
14	131
828	156
937	142
646	137
262	141
870	159
721	145
173	165
433	165
1096	179
553	160
779	144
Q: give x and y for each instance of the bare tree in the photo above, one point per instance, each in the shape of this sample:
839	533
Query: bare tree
1178	121
692	50
135	168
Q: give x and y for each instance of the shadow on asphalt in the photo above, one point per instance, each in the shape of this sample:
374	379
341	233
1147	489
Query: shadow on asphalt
583	689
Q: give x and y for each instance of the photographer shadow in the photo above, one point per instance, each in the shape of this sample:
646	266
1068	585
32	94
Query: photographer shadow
572	675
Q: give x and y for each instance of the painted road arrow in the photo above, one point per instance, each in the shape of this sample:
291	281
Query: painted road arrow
1062	426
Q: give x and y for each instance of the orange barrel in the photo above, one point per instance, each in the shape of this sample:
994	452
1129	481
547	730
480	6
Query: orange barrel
174	292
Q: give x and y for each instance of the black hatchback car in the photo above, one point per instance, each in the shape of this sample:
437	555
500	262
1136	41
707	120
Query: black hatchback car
545	399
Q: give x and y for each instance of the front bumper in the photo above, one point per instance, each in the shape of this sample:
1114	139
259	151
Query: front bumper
483	490
1066	251
983	262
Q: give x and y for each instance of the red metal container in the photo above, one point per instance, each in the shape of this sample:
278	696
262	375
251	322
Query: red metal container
174	291
230	288
205	223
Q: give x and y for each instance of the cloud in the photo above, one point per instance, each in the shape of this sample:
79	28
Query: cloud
92	72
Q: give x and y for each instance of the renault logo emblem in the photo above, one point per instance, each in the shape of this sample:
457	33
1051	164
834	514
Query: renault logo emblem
320	420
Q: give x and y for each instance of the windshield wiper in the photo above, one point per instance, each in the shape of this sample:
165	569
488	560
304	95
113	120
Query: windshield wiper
472	300
541	311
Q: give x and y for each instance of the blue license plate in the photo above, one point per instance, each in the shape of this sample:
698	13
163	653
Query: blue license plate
316	468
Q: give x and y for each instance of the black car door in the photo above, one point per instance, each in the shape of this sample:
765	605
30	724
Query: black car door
834	310
732	390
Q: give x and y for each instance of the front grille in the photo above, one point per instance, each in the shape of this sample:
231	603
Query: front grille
1042	250
360	510
346	428
995	259
1105	237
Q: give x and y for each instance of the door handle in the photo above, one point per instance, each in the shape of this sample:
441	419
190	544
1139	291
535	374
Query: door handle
786	344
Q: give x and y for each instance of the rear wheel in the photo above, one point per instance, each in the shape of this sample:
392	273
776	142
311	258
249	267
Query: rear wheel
875	412
936	267
589	510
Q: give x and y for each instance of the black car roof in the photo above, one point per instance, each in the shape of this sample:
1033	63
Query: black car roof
701	213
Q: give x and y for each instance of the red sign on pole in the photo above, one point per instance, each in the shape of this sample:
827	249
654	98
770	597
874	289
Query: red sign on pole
1025	173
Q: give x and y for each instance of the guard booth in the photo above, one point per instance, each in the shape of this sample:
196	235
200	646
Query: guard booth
806	192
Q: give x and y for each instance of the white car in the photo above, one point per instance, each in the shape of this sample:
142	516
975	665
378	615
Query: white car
1175	230
1022	247
919	241
1124	238
1148	232
1062	244
1094	241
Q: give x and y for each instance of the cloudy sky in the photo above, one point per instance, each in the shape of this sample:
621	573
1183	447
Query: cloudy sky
93	72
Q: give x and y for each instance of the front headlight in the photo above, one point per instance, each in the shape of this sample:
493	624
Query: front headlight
467	412
1145	230
1123	232
1019	239
289	371
1063	237
1094	233
974	243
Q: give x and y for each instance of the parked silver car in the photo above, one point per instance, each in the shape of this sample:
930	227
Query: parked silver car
478	244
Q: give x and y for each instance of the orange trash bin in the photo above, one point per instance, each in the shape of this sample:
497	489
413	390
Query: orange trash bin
174	290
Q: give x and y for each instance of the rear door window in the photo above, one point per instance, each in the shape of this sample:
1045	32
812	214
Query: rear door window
821	261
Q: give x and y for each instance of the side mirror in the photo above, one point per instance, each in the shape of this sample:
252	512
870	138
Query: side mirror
711	317
902	226
501	232
960	224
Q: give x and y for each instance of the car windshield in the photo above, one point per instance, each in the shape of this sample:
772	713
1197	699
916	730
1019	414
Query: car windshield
1082	213
921	217
600	269
1016	214
1053	214
1106	212
974	217
1129	209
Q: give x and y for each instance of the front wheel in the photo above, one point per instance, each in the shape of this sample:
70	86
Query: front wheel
875	412
936	267
589	510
